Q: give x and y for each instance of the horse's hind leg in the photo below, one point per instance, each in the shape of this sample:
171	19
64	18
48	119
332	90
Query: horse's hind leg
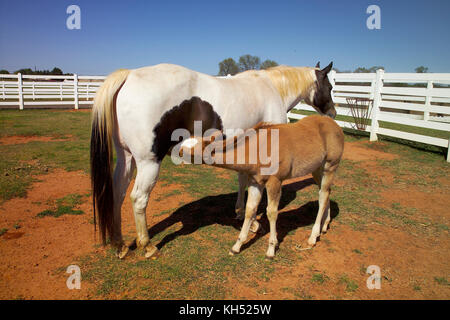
147	174
317	175
122	177
324	198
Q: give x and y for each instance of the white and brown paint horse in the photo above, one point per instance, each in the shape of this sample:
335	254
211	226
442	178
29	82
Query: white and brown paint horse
136	110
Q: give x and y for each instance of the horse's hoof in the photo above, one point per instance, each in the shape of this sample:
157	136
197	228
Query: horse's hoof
270	257
122	252
232	252
151	252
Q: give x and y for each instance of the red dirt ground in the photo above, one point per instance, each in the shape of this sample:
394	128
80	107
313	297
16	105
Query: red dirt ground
30	253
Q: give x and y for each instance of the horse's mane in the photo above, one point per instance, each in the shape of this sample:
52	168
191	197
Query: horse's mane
291	81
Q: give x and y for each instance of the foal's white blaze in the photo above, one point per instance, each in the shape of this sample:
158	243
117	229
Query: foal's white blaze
189	143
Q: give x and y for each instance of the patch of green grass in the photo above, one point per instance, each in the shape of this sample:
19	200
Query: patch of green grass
64	205
20	162
197	180
3	231
169	194
350	285
442	281
319	278
409	220
357	251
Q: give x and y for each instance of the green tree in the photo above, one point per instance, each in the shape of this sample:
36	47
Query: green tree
421	69
56	71
228	66
341	71
3	71
24	71
268	64
370	70
249	62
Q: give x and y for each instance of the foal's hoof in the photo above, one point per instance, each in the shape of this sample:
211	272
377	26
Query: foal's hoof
151	252
122	252
312	242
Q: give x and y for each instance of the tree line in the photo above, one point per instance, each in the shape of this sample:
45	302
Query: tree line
245	62
54	72
248	62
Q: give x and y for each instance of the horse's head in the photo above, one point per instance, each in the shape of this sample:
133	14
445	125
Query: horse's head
320	97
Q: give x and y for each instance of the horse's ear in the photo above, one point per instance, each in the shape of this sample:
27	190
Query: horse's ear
318	65
327	69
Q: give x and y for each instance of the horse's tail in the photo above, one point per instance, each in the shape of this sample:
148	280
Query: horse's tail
102	152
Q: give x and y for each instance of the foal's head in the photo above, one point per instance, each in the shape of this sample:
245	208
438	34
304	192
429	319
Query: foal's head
320	97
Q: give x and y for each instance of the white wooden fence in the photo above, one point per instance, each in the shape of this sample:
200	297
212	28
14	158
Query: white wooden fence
423	100
33	90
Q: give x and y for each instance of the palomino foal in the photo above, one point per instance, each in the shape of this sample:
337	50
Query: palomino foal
312	145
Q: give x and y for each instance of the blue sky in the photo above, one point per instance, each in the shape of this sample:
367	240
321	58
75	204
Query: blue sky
199	34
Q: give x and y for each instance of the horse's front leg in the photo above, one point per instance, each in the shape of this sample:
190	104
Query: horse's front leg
254	197
240	202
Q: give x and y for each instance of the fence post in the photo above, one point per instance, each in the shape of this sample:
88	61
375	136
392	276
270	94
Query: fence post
376	105
20	90
426	113
75	89
448	151
332	78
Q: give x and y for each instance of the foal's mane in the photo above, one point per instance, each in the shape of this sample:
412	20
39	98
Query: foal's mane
291	81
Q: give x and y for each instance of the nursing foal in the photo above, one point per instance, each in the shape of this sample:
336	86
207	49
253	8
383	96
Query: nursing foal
312	145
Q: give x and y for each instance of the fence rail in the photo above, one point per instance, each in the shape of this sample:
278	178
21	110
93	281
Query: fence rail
408	99
405	99
33	90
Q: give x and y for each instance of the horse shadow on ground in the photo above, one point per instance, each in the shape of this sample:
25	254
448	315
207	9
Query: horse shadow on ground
219	209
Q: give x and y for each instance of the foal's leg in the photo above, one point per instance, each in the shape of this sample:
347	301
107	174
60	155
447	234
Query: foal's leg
273	187
324	197
254	197
317	175
240	205
122	177
147	174
326	217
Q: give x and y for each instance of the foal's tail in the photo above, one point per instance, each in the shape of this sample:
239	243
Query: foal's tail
102	152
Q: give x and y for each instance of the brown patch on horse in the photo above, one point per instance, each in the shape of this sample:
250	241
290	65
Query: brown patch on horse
183	117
